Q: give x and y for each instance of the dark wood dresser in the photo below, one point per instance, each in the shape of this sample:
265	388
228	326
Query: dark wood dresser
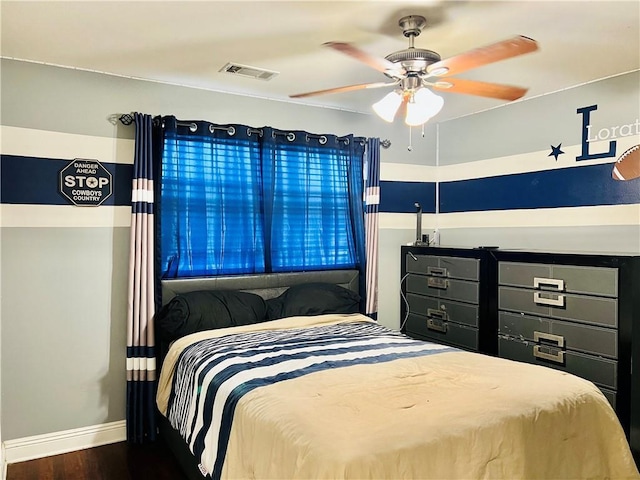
575	312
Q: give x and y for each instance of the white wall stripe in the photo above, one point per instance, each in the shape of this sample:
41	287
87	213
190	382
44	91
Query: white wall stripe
404	172
60	216
403	221
598	216
28	142
531	161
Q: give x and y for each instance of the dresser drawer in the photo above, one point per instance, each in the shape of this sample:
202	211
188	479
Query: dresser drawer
448	288
565	278
601	371
445	309
611	396
581	308
573	336
449	267
443	332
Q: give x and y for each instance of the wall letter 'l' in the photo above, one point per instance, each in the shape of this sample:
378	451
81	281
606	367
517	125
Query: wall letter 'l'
586	113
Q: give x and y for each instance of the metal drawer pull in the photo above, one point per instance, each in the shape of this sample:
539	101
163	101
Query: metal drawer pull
547	353
437	325
558	340
437	271
550	283
437	314
554	302
438	282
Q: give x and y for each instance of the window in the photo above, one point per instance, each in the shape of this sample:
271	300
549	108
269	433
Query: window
258	200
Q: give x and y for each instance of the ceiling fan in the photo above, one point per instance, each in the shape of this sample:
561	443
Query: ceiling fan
417	71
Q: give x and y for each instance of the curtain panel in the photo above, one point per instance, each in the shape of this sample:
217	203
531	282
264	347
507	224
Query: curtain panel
312	192
141	355
210	200
236	199
372	202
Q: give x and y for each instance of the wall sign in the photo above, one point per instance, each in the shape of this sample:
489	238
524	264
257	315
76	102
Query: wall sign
85	182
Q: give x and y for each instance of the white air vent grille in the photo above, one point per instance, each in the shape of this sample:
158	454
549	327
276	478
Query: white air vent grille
247	71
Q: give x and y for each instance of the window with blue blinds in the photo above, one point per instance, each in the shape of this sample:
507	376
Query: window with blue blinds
311	212
257	200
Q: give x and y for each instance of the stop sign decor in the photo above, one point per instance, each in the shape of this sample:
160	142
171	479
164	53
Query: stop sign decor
85	182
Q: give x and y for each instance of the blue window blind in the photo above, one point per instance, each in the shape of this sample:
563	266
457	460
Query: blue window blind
311	216
249	203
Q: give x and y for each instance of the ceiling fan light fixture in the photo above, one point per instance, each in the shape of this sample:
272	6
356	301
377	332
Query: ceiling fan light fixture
388	106
424	105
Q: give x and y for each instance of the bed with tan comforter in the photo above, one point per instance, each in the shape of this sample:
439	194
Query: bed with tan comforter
339	396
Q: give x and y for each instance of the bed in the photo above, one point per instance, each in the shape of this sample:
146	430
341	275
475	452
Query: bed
284	379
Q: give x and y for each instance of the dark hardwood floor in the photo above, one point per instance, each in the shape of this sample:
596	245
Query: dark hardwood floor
118	461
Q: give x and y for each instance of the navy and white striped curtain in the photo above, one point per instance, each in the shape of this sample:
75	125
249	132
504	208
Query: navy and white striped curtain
372	200
141	362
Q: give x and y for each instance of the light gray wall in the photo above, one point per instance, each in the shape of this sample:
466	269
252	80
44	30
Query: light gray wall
64	336
518	137
64	288
74	101
532	124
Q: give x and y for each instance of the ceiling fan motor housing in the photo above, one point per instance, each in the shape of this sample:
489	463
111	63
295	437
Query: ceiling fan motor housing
414	59
412	25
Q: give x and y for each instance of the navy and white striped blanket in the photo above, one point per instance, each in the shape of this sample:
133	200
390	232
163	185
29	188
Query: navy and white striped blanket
212	375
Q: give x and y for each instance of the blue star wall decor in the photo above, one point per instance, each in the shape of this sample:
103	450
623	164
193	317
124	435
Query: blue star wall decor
555	151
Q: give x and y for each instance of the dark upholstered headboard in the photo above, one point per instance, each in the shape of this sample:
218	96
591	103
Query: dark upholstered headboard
268	285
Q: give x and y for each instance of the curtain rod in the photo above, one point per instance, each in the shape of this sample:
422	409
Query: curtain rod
128	119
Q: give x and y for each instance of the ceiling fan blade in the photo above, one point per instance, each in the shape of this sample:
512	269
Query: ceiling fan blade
482	89
347	88
381	64
482	56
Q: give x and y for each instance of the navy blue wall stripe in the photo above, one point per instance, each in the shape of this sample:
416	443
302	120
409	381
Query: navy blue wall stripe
399	197
568	187
35	181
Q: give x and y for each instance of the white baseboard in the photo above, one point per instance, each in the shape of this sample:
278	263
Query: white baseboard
39	446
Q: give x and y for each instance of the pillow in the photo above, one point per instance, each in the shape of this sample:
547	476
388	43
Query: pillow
192	312
313	299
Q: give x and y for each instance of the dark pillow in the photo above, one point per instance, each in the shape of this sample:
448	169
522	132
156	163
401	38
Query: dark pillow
192	312
313	299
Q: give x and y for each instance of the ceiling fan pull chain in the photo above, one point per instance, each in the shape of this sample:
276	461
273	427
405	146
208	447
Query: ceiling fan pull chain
410	147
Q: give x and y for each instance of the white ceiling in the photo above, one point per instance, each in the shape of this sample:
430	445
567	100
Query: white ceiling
188	42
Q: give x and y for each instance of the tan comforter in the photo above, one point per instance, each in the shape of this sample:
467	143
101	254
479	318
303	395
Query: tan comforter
450	415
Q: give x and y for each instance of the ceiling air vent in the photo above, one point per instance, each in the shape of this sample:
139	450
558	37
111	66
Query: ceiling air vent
247	71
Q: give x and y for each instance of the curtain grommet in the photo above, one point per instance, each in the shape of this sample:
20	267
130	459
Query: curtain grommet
291	136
